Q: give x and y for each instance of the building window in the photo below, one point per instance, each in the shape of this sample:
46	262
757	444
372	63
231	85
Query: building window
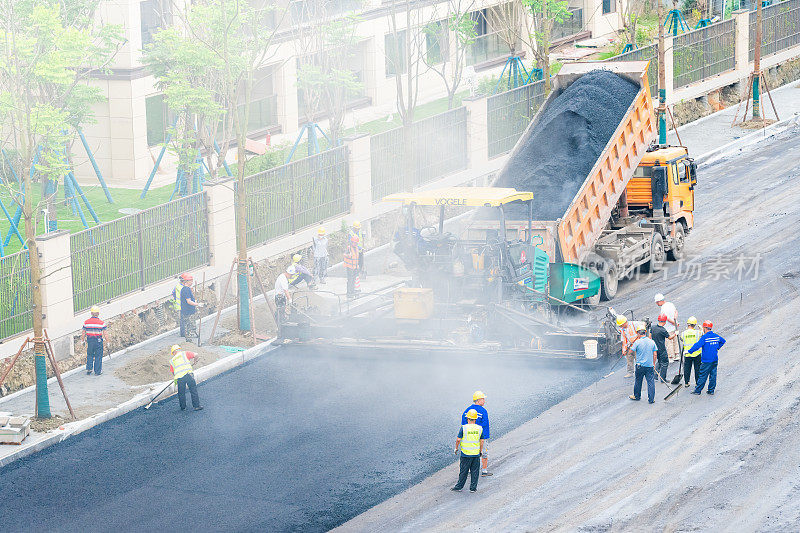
436	41
154	14
263	102
395	46
609	6
156	115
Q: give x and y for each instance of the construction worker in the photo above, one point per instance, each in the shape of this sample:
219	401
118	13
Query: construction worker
176	301
282	298
710	343
350	259
629	335
355	231
691	359
94	333
645	350
188	308
470	443
668	310
183	374
478	401
320	243
659	335
301	273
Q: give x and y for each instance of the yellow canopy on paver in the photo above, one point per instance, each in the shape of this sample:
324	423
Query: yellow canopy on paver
461	196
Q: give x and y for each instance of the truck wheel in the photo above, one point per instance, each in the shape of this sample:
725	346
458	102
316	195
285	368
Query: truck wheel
656	261
676	252
609	281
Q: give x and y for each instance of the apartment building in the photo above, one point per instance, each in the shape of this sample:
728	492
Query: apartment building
132	122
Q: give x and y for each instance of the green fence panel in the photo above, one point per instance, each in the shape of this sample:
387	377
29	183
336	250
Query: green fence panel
780	29
16	315
645	53
509	113
702	53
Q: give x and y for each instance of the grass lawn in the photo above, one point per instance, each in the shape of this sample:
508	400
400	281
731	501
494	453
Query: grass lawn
123	198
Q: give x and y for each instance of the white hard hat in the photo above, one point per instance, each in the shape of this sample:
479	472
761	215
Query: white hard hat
659	297
291	269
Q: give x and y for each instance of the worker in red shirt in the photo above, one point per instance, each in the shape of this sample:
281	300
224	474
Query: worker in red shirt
183	374
94	333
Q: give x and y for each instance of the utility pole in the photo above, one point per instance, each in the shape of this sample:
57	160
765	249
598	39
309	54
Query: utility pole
662	79
757	64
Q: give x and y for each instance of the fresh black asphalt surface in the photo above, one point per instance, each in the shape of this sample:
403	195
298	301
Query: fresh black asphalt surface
301	439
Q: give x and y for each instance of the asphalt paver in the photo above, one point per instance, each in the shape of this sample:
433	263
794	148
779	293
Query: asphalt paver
302	438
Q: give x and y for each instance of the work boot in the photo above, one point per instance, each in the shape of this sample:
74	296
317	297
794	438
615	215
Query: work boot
628	375
634	398
473	490
454	489
686	385
485	472
199	408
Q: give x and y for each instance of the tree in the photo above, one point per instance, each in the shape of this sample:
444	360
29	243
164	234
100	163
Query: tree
324	76
459	23
405	49
49	50
237	35
544	15
631	11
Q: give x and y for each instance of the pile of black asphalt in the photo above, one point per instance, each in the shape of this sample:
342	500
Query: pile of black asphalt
301	438
567	139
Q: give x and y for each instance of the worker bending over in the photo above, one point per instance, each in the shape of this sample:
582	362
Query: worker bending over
470	444
301	273
710	343
183	374
283	298
691	359
94	333
478	402
645	350
668	310
629	335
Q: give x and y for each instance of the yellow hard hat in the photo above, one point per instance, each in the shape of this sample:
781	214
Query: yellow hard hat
621	320
321	230
297	258
692	320
174	348
472	414
478	395
356	224
95	310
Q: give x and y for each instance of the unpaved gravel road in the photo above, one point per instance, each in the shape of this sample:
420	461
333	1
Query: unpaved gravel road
729	462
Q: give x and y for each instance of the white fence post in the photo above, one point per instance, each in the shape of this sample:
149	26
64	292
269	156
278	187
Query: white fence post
477	131
741	19
221	224
56	286
359	172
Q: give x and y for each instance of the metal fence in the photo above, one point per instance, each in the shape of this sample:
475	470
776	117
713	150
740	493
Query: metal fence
403	158
780	28
130	253
284	199
570	26
16	315
645	53
703	53
509	113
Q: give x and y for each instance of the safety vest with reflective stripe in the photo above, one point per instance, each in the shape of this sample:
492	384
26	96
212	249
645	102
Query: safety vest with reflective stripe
350	258
471	439
180	365
176	297
360	236
628	336
689	337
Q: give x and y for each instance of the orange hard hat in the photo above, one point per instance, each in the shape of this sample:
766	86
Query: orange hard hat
662	318
708	324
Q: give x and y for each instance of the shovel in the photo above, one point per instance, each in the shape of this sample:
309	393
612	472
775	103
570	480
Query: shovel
679	375
149	405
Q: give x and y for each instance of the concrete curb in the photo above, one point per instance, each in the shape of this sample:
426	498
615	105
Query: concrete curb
74	428
747	140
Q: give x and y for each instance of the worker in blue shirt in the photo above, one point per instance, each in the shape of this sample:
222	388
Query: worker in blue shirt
710	343
478	400
645	351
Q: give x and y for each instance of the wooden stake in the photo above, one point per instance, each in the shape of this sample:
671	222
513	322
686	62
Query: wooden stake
14	360
51	355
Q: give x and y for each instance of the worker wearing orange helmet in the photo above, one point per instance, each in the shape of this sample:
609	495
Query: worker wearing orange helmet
478	402
710	343
188	308
659	334
350	259
355	231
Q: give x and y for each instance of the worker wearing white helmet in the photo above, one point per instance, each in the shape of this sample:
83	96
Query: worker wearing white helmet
283	297
478	402
691	360
668	310
320	245
628	334
94	333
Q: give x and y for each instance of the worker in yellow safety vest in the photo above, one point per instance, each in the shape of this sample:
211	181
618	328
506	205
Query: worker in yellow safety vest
691	359
355	231
629	335
182	372
470	443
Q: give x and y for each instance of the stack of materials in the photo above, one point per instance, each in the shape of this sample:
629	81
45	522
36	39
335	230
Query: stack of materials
13	429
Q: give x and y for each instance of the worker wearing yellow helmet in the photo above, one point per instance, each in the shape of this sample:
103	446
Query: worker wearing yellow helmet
471	443
94	333
628	335
478	401
301	273
355	231
691	335
182	372
320	246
